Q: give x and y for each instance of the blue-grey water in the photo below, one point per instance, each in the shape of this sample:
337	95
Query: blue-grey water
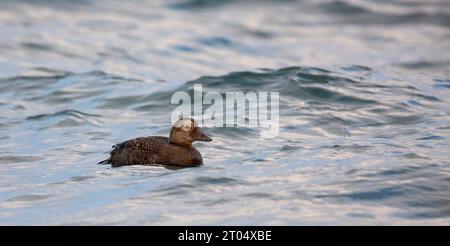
364	111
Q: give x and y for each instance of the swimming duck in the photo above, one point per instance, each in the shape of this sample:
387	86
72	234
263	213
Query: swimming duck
175	150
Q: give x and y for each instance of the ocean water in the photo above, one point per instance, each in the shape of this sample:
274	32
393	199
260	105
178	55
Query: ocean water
364	111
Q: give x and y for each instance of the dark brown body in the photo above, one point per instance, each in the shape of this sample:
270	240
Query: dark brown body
176	150
154	150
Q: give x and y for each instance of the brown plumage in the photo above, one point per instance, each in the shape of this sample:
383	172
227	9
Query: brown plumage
175	150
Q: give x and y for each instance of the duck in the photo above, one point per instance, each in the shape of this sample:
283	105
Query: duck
175	150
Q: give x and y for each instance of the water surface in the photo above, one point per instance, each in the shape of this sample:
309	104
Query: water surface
364	111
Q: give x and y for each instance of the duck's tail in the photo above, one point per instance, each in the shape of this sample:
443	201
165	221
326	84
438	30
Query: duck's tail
107	161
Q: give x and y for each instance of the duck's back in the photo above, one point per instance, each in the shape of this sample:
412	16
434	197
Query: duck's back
153	150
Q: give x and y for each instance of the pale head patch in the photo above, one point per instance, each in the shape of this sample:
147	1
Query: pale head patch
185	124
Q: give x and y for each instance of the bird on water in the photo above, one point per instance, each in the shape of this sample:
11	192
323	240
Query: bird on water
175	150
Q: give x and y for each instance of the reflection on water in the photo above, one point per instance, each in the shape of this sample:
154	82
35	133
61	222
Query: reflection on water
358	144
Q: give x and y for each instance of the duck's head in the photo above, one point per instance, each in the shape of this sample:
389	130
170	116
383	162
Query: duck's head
185	131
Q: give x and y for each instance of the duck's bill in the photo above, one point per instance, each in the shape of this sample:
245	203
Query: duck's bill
204	137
